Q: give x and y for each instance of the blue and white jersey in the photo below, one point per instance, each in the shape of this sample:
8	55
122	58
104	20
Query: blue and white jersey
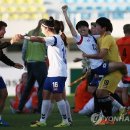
57	56
88	46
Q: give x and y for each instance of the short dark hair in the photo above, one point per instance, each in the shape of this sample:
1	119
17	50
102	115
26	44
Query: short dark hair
3	24
126	28
105	22
82	23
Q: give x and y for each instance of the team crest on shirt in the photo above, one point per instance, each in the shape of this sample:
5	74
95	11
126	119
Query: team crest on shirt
88	40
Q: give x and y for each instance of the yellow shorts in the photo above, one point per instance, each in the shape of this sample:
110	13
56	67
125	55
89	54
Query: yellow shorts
110	81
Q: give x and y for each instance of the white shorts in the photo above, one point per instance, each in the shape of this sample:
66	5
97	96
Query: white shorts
121	84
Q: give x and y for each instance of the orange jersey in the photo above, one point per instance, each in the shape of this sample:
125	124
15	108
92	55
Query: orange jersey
124	49
82	96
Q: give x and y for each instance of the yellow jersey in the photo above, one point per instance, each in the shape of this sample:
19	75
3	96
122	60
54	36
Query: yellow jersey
108	42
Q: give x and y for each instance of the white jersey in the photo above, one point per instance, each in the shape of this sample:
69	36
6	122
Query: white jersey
88	46
57	56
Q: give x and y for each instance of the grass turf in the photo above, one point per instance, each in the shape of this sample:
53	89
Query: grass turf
22	121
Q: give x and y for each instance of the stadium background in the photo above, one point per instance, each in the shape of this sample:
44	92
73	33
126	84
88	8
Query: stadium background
23	15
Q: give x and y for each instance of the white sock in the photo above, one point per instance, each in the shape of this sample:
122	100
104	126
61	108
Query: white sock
88	108
28	104
114	110
44	110
50	109
62	108
117	104
68	110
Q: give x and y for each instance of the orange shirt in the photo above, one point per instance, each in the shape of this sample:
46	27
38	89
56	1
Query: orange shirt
124	49
82	96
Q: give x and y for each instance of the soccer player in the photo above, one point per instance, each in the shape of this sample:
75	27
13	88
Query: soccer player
108	51
34	55
6	60
93	29
124	47
57	72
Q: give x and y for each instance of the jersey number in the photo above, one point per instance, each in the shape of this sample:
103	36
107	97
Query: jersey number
64	54
55	86
106	82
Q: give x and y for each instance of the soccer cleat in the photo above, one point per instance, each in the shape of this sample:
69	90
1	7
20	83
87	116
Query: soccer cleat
62	124
12	109
18	111
3	123
34	122
38	124
126	79
104	122
122	112
70	123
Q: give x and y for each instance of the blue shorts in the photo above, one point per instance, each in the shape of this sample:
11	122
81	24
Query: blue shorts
95	81
2	83
55	84
102	69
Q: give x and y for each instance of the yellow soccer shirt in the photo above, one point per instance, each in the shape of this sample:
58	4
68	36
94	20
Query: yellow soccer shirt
108	42
109	82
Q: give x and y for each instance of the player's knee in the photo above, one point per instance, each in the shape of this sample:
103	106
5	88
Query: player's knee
101	93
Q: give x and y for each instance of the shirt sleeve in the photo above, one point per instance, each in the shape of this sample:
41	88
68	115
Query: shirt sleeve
107	43
4	45
77	38
50	41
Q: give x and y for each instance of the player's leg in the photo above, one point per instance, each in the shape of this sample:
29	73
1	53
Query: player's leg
93	85
3	96
67	107
50	109
120	66
45	105
58	89
88	109
125	96
106	86
125	89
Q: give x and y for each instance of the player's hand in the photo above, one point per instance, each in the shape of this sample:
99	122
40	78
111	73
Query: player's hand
77	59
17	38
18	66
64	8
84	55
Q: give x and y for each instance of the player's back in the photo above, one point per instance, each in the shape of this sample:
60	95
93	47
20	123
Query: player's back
108	42
124	47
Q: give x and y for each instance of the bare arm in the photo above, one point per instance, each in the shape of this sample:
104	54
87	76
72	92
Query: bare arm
19	37
35	39
100	55
72	29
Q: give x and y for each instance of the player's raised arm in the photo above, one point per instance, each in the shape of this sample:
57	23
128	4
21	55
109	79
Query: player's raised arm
72	29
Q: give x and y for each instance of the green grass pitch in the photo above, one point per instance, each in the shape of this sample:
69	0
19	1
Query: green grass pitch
22	121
